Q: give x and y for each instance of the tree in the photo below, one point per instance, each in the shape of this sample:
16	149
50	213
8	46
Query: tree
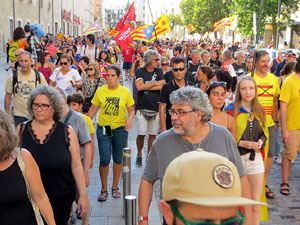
187	10
177	19
246	8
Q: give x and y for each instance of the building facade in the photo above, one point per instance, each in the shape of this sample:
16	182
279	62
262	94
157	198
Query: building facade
99	12
113	16
72	16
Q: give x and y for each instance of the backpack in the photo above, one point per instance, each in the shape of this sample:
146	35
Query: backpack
11	52
95	51
29	49
15	80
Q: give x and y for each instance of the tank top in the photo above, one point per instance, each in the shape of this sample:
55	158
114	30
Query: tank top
53	158
15	207
46	72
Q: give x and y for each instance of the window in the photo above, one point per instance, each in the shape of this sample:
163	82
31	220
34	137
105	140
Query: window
48	28
11	28
19	24
55	28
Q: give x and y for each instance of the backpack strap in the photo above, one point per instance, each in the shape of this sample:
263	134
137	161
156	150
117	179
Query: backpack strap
37	77
15	81
68	116
84	49
96	53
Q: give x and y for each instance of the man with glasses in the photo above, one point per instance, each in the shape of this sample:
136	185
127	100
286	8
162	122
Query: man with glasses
179	70
19	85
16	65
149	81
190	115
289	56
189	200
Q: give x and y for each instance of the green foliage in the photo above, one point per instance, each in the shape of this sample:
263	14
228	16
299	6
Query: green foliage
177	19
246	8
203	14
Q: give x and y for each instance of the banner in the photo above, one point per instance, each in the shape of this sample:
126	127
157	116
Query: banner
95	27
191	28
226	22
129	16
123	38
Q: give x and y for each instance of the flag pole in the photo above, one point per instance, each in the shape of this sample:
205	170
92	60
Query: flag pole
152	19
257	35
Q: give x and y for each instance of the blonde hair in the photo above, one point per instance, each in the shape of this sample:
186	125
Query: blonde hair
96	68
167	54
257	108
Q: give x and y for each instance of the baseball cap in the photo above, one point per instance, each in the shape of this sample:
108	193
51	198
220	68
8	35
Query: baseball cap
290	52
205	179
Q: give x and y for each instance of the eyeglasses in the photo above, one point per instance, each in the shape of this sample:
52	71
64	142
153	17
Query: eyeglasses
179	113
216	84
43	107
240	220
64	63
156	60
90	69
178	69
32	66
165	64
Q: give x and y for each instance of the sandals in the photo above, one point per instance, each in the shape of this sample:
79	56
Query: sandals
103	196
269	194
115	193
285	191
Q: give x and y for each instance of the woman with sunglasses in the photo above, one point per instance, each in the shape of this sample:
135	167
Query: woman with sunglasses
65	77
113	100
164	65
204	76
252	137
216	94
91	83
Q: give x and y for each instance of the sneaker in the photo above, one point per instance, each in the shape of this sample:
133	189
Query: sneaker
139	161
278	159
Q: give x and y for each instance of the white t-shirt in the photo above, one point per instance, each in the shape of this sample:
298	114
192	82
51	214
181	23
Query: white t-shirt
90	53
64	81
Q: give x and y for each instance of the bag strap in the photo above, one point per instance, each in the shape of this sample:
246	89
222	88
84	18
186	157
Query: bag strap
15	81
68	116
37	77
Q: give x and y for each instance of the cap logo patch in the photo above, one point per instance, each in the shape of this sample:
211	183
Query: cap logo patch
223	176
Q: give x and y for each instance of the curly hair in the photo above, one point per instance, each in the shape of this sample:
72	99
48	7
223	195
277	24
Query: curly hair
8	138
194	97
149	56
54	97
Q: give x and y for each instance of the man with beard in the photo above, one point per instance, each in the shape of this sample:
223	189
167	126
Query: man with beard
267	91
190	114
189	200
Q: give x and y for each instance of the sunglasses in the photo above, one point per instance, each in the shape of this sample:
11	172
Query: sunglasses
156	60
239	220
64	63
216	84
90	69
165	64
32	66
178	69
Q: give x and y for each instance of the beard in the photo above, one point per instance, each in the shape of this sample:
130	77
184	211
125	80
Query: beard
185	130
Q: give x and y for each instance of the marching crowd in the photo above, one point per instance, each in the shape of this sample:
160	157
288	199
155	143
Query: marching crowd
228	99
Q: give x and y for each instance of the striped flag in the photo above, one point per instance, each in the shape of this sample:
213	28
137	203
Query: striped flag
191	28
95	27
162	27
226	22
60	35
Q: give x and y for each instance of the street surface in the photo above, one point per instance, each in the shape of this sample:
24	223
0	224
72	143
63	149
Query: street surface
283	210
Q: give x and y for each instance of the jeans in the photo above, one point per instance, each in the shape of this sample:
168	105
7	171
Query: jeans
278	141
111	145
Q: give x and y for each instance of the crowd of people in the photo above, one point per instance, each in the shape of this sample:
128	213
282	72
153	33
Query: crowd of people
63	94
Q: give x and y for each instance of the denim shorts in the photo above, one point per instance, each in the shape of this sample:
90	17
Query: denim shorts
111	145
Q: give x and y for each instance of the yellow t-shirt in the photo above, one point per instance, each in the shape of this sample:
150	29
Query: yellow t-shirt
267	90
26	83
113	105
290	93
89	123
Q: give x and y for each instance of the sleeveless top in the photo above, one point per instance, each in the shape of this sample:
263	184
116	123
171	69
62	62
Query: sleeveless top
15	207
53	158
46	72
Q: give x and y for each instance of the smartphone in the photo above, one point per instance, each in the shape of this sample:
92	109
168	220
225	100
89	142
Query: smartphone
108	131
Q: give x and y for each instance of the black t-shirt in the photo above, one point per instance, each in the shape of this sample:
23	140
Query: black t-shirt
239	70
217	62
169	76
193	68
148	99
164	98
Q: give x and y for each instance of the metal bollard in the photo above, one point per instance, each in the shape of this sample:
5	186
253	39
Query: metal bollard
126	175
130	210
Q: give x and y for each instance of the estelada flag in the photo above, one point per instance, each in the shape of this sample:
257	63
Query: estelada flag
191	28
124	39
129	16
95	27
226	22
112	32
162	27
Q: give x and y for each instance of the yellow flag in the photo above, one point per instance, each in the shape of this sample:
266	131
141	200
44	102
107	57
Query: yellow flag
191	28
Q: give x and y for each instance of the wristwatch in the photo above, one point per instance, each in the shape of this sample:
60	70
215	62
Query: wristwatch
142	218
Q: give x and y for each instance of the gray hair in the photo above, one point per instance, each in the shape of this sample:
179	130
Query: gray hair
227	53
55	99
163	59
194	97
239	53
195	52
26	53
204	53
149	56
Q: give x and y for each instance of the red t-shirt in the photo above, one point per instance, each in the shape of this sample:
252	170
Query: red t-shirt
51	49
128	54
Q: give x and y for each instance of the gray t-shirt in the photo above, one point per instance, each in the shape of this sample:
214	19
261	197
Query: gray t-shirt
78	123
169	145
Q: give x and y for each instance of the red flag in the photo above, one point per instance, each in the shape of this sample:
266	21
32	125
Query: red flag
129	15
123	38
